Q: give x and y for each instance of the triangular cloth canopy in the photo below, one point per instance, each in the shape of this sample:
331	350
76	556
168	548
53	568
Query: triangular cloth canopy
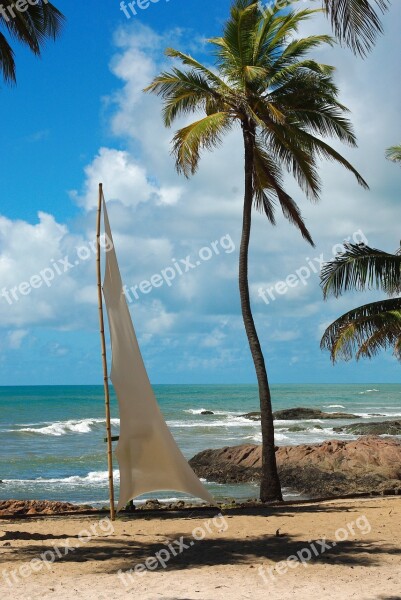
148	456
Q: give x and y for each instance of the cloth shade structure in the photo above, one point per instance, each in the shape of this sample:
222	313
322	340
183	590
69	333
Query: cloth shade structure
148	456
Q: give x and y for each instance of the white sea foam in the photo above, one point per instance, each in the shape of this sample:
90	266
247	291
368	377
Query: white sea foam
227	422
221	413
278	437
335	406
94	478
369	391
377	415
64	427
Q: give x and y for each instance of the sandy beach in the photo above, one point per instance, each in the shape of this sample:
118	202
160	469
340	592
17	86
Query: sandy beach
332	549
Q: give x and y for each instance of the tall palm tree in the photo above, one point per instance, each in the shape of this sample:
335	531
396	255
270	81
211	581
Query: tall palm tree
284	103
356	22
32	27
365	330
394	153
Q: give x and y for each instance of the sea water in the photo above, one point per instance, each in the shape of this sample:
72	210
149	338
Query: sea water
52	436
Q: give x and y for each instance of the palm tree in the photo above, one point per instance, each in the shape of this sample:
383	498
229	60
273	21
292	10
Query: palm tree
366	330
394	153
32	27
285	103
356	22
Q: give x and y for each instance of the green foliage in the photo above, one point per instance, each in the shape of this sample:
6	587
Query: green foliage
394	153
359	268
33	28
265	82
366	330
356	22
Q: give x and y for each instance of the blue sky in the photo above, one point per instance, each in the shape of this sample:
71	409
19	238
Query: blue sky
77	116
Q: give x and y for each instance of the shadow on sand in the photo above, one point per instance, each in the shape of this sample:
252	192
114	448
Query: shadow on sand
125	553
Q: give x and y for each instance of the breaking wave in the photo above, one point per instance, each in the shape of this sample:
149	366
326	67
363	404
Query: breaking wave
64	427
94	477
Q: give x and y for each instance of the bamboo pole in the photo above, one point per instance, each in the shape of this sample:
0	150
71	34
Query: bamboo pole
104	358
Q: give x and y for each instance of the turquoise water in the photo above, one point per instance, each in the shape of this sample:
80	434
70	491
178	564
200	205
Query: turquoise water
52	437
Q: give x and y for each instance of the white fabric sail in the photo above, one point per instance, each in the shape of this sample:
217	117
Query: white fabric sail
148	456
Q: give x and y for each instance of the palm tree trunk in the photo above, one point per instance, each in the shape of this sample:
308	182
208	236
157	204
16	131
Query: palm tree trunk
270	488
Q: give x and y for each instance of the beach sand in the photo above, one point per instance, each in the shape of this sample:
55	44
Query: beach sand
364	563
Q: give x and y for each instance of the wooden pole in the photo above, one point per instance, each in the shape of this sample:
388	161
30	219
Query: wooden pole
104	358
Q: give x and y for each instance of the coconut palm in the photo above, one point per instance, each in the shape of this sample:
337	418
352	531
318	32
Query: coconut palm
356	22
285	104
366	330
32	27
394	153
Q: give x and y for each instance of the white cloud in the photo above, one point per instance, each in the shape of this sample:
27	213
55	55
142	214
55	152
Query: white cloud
16	337
123	178
213	339
282	335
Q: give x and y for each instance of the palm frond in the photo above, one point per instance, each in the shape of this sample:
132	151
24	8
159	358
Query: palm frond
32	27
203	134
397	348
294	157
7	61
234	50
183	93
394	153
213	79
357	22
267	181
359	268
319	148
364	331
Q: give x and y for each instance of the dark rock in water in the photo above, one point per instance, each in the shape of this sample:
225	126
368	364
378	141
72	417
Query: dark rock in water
253	416
296	428
383	428
295	414
207	412
369	464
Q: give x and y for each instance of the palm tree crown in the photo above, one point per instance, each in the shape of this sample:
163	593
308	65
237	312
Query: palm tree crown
264	82
32	27
366	330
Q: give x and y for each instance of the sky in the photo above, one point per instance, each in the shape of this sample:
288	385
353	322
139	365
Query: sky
78	116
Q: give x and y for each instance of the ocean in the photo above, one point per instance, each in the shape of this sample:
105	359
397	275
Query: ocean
52	436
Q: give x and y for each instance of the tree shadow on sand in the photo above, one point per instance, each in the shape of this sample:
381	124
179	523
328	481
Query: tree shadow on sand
125	554
27	535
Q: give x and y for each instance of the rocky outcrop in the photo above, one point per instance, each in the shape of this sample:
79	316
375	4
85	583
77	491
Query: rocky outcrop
252	416
369	464
383	428
296	414
207	412
38	507
299	414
